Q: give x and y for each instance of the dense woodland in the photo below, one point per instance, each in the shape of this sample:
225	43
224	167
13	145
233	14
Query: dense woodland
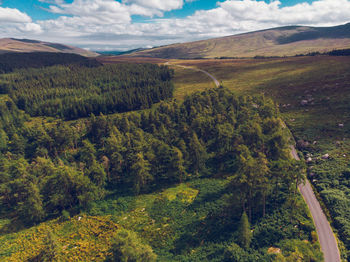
73	91
59	168
12	61
143	151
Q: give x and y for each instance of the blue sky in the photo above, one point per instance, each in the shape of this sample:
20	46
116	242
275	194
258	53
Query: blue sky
35	8
127	24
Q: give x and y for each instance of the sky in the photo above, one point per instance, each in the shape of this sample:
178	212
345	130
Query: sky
129	24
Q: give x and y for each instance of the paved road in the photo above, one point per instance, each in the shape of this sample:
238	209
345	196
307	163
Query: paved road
324	231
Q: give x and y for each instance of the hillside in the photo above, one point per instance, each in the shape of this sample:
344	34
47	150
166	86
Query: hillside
26	45
283	41
179	181
320	126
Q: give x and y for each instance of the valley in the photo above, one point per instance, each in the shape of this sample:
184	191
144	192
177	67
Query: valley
157	193
175	131
169	174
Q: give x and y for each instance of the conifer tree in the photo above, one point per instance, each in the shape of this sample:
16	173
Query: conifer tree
198	155
244	232
140	174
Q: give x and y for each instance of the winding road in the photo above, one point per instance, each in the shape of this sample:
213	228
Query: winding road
325	234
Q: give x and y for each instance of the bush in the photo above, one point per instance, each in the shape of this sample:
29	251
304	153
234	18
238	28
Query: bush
127	247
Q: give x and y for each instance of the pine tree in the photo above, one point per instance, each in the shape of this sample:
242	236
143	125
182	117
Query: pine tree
198	155
244	232
140	174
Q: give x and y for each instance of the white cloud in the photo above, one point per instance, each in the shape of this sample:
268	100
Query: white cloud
108	23
157	6
15	23
10	15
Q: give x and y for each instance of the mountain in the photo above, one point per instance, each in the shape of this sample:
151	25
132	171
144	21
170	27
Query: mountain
117	53
282	41
26	45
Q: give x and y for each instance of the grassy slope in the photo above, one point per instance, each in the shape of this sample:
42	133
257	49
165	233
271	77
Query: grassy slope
285	41
326	80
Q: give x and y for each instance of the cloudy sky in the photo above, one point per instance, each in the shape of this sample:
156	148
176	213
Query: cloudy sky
128	24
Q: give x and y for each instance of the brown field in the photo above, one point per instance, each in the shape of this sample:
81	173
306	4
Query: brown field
26	46
283	41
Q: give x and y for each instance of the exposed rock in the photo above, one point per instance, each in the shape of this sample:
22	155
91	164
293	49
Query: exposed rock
304	102
308	160
326	156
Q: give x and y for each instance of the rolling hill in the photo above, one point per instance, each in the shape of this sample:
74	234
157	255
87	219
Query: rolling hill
282	41
26	45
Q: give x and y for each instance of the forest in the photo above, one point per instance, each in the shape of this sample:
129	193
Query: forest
144	151
63	168
75	91
12	61
128	141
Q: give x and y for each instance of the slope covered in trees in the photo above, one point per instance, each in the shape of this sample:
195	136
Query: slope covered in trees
11	61
49	169
73	91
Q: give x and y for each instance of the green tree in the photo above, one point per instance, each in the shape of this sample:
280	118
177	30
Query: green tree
23	198
17	144
30	209
127	247
140	174
67	188
3	140
97	174
87	153
198	155
244	232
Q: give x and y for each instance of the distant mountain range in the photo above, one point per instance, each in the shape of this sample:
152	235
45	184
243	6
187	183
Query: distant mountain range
282	41
26	45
